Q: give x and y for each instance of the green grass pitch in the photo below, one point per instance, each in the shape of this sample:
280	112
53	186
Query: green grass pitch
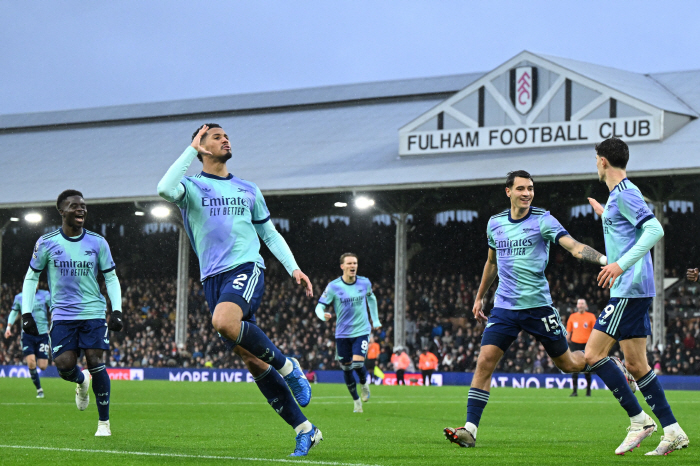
160	422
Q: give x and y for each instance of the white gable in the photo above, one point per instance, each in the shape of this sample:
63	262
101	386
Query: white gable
532	101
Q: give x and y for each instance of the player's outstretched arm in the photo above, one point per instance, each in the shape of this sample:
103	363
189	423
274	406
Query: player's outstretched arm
582	251
10	322
321	312
374	311
169	187
114	291
31	281
487	278
280	249
692	275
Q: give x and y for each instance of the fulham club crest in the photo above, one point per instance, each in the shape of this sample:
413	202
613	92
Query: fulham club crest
523	88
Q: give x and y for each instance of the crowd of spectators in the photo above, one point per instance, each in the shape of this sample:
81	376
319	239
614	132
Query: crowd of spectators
438	318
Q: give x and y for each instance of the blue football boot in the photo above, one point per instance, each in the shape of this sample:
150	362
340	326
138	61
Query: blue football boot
306	441
299	384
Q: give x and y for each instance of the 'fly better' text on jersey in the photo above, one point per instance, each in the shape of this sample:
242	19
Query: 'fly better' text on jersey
522	254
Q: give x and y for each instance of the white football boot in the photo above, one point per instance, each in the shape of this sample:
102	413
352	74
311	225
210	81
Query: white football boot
635	434
358	406
82	394
103	429
365	392
669	443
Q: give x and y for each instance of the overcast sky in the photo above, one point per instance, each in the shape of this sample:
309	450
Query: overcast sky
76	54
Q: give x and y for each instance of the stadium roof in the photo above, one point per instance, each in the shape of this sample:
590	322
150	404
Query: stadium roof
328	139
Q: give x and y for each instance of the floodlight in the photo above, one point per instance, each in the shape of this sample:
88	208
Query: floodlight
160	211
138	213
363	202
341	204
14	219
33	217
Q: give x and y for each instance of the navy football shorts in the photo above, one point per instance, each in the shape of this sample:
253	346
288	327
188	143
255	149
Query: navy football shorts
243	286
38	346
74	335
625	318
543	323
345	348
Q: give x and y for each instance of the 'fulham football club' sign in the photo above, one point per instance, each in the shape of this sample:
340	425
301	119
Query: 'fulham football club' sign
523	88
532	102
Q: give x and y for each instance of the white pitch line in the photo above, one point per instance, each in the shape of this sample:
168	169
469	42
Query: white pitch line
392	402
178	455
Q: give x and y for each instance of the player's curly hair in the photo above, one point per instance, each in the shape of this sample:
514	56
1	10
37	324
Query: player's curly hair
65	195
510	177
615	150
211	126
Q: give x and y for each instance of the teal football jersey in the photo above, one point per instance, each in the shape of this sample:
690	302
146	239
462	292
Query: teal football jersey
219	214
522	254
72	266
349	300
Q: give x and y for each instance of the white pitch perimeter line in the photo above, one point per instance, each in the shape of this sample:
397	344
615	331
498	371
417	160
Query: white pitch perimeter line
387	402
177	455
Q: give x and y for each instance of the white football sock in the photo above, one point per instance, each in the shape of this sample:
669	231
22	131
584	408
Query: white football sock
672	429
287	368
303	427
639	418
471	428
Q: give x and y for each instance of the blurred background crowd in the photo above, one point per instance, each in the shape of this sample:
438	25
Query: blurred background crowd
439	302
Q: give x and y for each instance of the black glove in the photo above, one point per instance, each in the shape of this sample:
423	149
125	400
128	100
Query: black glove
115	322
29	325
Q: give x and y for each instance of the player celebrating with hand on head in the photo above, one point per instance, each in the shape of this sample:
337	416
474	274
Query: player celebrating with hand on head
630	231
350	295
519	240
73	256
34	348
223	216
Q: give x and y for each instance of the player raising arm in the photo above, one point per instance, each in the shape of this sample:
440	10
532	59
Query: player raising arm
630	231
351	295
224	216
518	240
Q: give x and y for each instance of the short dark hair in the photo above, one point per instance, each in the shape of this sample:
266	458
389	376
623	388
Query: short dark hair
211	126
615	150
65	195
347	254
510	177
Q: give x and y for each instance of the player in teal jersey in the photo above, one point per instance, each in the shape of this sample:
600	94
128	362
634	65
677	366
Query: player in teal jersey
72	257
351	295
519	240
224	216
630	230
34	349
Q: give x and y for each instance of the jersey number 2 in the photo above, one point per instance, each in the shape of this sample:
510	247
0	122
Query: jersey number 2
239	281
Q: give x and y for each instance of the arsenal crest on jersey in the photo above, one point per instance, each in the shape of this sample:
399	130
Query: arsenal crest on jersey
523	88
